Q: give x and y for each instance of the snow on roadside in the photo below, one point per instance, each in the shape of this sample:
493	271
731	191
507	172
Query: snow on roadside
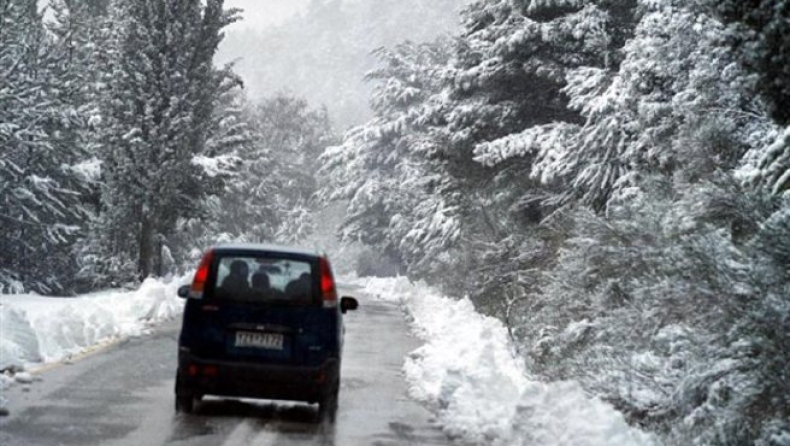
467	373
36	329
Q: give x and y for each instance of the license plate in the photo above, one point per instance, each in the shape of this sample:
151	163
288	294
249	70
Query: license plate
271	341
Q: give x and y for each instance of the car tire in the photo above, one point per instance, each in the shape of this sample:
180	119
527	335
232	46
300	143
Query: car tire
185	399
185	404
327	407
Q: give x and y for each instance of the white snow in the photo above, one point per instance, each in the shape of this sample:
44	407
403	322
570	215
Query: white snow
89	170
5	382
35	330
23	378
217	165
468	374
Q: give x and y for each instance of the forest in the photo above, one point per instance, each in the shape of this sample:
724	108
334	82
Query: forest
610	178
126	151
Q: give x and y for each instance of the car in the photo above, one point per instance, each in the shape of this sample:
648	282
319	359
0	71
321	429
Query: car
261	322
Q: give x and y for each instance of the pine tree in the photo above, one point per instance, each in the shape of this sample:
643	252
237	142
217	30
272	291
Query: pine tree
652	114
156	117
263	158
40	154
391	188
764	46
761	32
295	136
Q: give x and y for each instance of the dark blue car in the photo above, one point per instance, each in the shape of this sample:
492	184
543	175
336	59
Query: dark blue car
261	322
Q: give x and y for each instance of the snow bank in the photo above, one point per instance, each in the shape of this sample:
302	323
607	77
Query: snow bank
35	329
5	382
468	374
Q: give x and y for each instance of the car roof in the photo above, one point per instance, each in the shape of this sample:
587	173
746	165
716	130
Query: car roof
263	247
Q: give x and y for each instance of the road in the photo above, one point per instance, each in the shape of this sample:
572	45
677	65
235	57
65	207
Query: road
123	396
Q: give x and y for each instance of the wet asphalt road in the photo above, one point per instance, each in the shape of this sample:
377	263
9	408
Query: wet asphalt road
123	396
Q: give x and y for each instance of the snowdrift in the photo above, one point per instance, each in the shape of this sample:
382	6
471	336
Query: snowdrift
35	329
469	375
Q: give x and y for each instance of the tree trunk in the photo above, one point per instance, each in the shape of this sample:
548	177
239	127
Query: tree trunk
146	251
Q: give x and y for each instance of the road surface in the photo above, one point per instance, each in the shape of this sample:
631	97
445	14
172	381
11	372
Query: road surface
123	396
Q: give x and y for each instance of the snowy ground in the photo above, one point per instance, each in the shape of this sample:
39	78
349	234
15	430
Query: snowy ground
37	330
466	372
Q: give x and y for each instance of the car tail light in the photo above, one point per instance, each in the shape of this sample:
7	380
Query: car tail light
201	276
328	291
211	371
192	370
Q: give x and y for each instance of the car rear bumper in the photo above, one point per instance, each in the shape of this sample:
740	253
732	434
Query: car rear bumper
197	376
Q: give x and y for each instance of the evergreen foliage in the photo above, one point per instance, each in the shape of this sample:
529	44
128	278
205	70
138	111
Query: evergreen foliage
161	92
125	151
606	178
41	154
268	195
764	45
393	191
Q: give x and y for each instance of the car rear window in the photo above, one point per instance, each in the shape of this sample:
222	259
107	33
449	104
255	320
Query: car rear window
263	278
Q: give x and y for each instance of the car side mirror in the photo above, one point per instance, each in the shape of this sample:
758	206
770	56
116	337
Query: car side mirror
183	291
348	304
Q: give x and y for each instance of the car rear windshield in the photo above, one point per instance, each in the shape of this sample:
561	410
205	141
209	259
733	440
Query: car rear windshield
263	278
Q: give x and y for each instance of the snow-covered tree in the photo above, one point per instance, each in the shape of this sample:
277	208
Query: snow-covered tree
156	116
611	184
295	134
228	139
268	154
393	193
760	36
764	44
274	188
41	153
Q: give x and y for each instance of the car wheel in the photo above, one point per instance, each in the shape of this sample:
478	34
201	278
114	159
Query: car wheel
185	399
185	404
327	407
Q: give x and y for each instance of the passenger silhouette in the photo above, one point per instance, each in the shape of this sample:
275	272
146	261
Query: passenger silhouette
236	283
299	288
261	285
